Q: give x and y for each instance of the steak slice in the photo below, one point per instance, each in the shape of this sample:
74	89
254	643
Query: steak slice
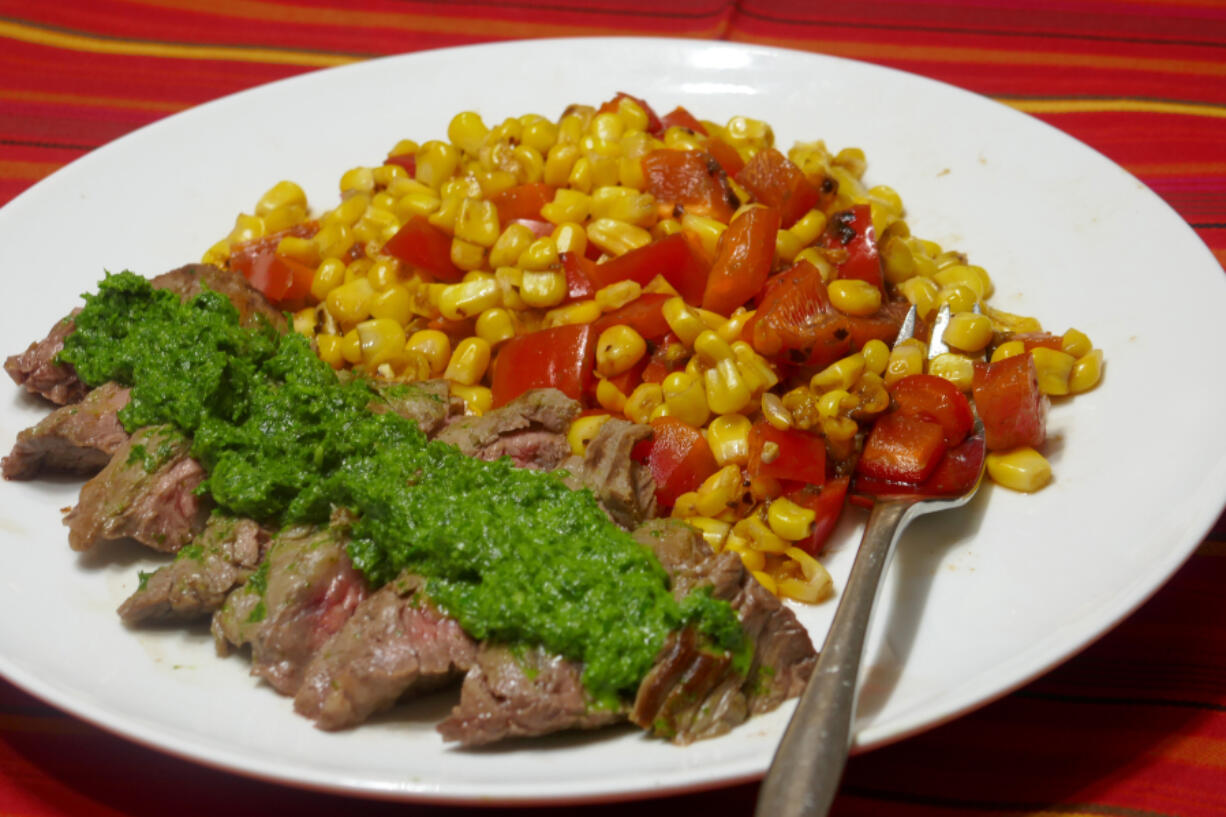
203	573
301	594
531	430
147	492
691	693
395	644
426	402
623	487
37	371
522	693
74	439
190	280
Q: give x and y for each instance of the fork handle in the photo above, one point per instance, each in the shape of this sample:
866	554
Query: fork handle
808	764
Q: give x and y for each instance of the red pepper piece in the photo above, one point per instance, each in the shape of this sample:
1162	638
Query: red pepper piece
777	182
645	315
935	399
579	272
1032	340
798	455
679	117
406	160
675	257
522	201
1013	410
690	178
654	126
853	231
425	246
827	503
562	357
902	449
726	155
746	253
678	457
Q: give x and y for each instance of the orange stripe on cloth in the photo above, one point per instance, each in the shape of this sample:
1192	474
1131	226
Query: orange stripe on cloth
27	170
1113	105
80	42
91	101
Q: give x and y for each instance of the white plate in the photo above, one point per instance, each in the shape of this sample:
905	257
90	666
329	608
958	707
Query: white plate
978	602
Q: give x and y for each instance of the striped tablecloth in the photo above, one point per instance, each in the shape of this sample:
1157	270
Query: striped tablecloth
1136	725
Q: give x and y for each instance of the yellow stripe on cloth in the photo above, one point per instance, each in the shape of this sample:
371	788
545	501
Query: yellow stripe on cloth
1112	105
82	100
143	48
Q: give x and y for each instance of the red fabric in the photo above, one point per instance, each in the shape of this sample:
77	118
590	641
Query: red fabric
1134	726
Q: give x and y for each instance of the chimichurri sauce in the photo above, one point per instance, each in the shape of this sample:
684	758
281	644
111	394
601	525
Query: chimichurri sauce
514	555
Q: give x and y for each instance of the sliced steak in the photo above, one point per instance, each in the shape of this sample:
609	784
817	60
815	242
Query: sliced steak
531	430
203	573
395	644
426	403
522	693
190	280
37	371
623	487
691	693
301	594
147	492
74	439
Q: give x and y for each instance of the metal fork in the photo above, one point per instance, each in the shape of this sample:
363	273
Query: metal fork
808	765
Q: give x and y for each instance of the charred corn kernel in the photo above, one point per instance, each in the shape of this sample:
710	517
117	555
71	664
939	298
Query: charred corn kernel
582	175
617	350
477	222
382	340
719	491
836	403
334	240
686	505
328	276
871	394
467	132
852	296
1087	371
1076	343
922	292
1022	469
876	356
583	430
468	362
683	320
787	245
351	347
1054	369
329	349
477	399
686	399
905	359
968	331
775	412
711	348
617	295
350	303
788	520
757	373
645	399
510	245
842	374
609	396
467	256
732	328
973	278
1008	349
559	163
897	261
384	272
281	194
728	437
542	254
543	289
714	531
468	298
570	237
434	346
436	162
494	325
707	229
960	298
246	228
727	392
624	204
417	204
393	303
760	536
616	237
957	369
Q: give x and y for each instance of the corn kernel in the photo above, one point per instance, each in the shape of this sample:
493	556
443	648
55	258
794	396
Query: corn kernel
775	412
645	399
328	276
842	374
329	348
1054	368
876	356
435	346
510	245
624	204
468	298
1087	371
683	320
394	303
436	162
583	430
351	347
570	314
1076	343
570	237
727	392
468	362
711	348
281	194
852	296
686	399
789	520
382	341
477	399
477	222
618	349
609	396
559	164
686	505
334	240
1022	469
719	491
494	325
617	295
542	289
728	437
350	303
957	369
960	298
567	205
714	531
1008	349
922	292
616	237
897	261
707	229
974	278
467	132
467	256
968	331
542	254
760	536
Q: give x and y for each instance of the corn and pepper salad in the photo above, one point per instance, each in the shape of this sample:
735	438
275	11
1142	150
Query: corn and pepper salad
679	273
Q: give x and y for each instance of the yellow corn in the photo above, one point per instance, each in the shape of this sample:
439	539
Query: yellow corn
542	289
685	397
787	245
510	245
760	536
683	320
898	261
540	135
727	392
1022	469
1087	371
382	341
383	273
617	350
789	520
494	325
852	296
714	531
468	298
775	412
876	356
570	237
617	295
328	276
624	204
719	491
281	194
728	437
645	399
348	211
466	255
610	397
468	362
434	346
541	254
753	560
583	430
394	303
567	205
436	162
1054	369
358	179
842	374
350	303
477	222
755	370
957	369
922	292
578	312
1008	349
974	278
732	328
351	347
960	298
334	240
711	348
329	348
686	506
417	203
559	164
836	403
707	229
616	237
816	584
477	399
968	331
1075	342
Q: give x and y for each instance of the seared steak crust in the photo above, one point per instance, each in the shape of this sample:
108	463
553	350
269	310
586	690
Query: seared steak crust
37	371
623	487
74	439
531	430
426	403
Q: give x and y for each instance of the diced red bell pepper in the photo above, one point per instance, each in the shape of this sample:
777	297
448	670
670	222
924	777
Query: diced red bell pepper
522	201
279	278
1013	410
561	357
668	356
675	257
627	381
654	126
579	271
853	231
746	252
827	503
726	155
777	182
539	227
1033	340
935	399
690	178
678	457
799	455
425	246
954	475
645	315
406	160
901	448
679	117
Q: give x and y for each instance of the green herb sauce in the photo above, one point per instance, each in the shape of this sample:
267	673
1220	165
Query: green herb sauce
514	555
